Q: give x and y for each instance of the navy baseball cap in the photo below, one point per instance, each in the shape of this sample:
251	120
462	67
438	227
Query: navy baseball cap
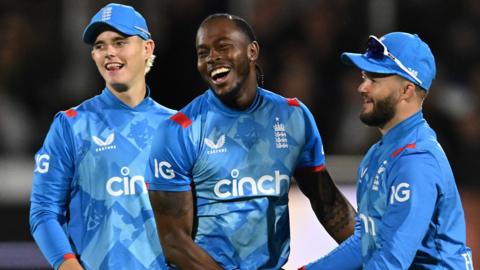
397	53
124	19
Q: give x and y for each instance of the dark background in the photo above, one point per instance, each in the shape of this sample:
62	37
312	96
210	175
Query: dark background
45	67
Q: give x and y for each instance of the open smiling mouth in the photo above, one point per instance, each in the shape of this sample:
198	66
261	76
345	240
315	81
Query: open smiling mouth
219	75
113	66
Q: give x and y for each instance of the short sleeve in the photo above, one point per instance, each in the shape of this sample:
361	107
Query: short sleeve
172	158
312	154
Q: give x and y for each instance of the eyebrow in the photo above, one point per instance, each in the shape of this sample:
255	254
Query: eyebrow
114	39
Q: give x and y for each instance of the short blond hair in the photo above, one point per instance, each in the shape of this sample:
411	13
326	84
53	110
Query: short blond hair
149	63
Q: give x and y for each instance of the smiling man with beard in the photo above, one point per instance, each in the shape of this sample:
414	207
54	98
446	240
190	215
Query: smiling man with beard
222	167
409	211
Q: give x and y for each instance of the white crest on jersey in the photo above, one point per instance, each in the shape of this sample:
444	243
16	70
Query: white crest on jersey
107	141
364	171
104	145
280	134
219	144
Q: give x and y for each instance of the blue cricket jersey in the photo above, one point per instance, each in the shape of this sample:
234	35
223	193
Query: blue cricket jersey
241	165
89	196
410	215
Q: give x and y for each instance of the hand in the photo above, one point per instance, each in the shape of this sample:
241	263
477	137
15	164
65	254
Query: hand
71	264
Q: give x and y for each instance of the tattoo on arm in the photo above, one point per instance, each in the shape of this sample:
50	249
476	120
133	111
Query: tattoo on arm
332	209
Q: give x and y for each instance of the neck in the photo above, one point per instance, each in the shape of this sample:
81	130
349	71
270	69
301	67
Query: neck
132	96
247	93
400	115
245	99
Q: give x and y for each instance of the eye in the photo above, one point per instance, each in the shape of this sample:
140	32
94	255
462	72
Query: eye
224	46
98	46
202	53
120	43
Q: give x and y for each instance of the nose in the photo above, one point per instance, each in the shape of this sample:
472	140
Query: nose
363	87
213	55
110	51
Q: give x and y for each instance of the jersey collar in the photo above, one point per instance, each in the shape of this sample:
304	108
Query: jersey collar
109	98
219	104
399	131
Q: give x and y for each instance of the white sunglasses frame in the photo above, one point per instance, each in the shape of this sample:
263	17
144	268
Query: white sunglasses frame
391	56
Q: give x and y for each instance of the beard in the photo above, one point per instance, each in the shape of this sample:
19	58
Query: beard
231	96
383	111
120	87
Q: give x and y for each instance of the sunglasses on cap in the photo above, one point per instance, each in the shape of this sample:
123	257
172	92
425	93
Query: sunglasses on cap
377	50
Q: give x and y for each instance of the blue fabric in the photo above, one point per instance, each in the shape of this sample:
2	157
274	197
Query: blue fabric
409	49
123	18
410	214
241	164
346	256
89	195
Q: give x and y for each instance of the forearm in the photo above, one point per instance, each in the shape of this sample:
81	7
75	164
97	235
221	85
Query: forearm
185	254
71	264
174	218
52	241
332	209
335	213
347	256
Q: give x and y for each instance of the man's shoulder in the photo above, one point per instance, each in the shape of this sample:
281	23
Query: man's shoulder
79	111
279	99
158	108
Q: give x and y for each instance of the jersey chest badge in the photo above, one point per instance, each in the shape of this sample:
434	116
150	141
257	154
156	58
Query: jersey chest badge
216	146
106	144
280	134
379	176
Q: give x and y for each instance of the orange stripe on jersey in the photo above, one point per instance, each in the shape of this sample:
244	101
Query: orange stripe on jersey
399	150
69	256
293	102
318	168
181	119
71	113
312	169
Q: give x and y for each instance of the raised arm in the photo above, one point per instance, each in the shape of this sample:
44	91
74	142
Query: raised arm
332	209
174	219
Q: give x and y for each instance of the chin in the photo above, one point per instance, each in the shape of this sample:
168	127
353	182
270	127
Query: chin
119	87
228	95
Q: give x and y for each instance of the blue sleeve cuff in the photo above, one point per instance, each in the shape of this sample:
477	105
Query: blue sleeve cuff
337	259
52	241
168	187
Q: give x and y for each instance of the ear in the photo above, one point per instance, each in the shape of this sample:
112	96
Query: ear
408	90
253	51
149	46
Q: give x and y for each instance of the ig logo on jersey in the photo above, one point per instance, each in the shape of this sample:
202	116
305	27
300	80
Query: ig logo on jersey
164	169
400	193
42	163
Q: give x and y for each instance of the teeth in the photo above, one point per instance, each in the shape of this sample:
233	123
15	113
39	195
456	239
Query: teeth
219	70
113	65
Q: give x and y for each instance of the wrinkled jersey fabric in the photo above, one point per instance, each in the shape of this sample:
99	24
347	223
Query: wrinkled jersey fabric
89	195
240	165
